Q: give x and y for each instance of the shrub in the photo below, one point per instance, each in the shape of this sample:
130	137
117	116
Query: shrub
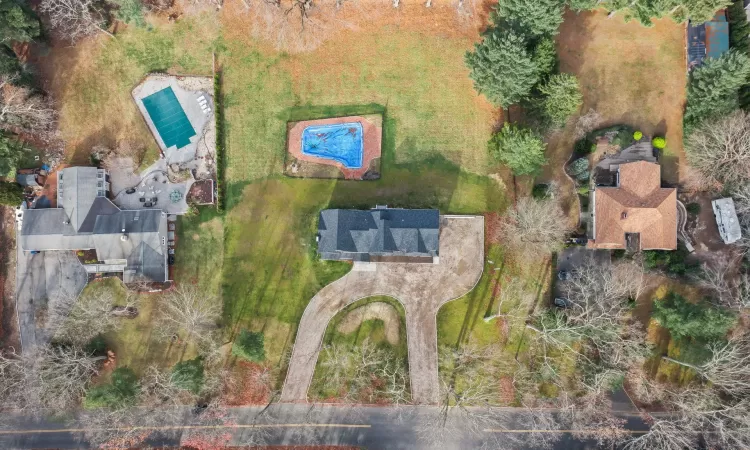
562	98
220	140
673	262
578	166
118	393
249	345
540	191
97	345
188	375
637	135
11	194
693	208
521	149
583	176
659	142
584	147
684	319
583	190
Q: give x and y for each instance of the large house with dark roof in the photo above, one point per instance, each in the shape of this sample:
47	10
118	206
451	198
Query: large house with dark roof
133	243
635	214
380	234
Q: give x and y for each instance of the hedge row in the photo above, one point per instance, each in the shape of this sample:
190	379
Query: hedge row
220	144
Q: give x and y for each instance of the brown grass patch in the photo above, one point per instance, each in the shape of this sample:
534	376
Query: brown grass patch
628	73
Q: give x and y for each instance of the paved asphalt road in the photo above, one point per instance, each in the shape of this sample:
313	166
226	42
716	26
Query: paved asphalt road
293	424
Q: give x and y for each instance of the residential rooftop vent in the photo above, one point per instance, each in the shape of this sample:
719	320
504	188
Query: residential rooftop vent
624	215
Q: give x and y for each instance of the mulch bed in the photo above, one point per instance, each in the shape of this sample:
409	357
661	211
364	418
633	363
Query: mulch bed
201	192
307	166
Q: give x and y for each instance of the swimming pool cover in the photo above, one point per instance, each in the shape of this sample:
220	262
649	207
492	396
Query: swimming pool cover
169	118
340	142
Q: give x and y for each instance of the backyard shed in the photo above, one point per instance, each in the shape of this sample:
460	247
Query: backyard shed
707	40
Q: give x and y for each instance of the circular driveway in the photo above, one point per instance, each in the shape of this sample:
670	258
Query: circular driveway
421	288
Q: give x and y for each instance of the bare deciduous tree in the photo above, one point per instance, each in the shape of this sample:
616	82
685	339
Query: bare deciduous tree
78	319
742	205
728	368
727	291
700	418
188	313
74	19
296	25
587	123
536	227
49	379
720	149
597	292
24	111
353	371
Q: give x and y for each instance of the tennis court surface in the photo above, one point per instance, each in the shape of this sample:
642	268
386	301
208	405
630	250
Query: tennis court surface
169	118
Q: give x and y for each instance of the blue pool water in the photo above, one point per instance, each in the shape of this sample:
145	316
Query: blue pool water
340	142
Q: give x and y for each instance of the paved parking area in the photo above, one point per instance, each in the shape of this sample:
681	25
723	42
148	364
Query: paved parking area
570	258
421	288
39	277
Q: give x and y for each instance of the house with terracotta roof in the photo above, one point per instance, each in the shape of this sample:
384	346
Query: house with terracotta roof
636	213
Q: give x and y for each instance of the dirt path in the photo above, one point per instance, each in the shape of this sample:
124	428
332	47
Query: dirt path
421	288
378	310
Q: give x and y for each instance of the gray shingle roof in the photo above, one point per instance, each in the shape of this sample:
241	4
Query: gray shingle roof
77	191
101	228
408	232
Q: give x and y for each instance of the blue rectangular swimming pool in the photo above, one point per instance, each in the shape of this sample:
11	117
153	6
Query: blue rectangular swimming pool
340	142
169	118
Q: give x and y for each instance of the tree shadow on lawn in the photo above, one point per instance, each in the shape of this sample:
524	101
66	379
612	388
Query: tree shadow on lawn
270	267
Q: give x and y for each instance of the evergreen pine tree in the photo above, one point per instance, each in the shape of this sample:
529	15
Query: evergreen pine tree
502	68
521	149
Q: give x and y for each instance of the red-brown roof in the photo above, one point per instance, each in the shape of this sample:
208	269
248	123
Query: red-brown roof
638	205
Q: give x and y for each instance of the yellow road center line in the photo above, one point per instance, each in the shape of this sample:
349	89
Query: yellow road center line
192	427
493	430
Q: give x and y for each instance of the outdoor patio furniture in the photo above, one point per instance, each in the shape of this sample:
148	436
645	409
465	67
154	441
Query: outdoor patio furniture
202	97
141	199
148	205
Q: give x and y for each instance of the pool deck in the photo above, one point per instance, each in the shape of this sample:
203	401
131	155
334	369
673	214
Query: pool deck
199	153
371	137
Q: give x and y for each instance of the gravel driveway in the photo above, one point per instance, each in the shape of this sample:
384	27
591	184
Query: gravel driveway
421	288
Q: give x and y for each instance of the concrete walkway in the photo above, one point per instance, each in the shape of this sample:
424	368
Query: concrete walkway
421	288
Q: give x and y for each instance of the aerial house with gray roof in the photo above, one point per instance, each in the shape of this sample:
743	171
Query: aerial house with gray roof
133	243
379	235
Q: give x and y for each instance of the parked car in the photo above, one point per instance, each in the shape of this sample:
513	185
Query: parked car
565	275
562	302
